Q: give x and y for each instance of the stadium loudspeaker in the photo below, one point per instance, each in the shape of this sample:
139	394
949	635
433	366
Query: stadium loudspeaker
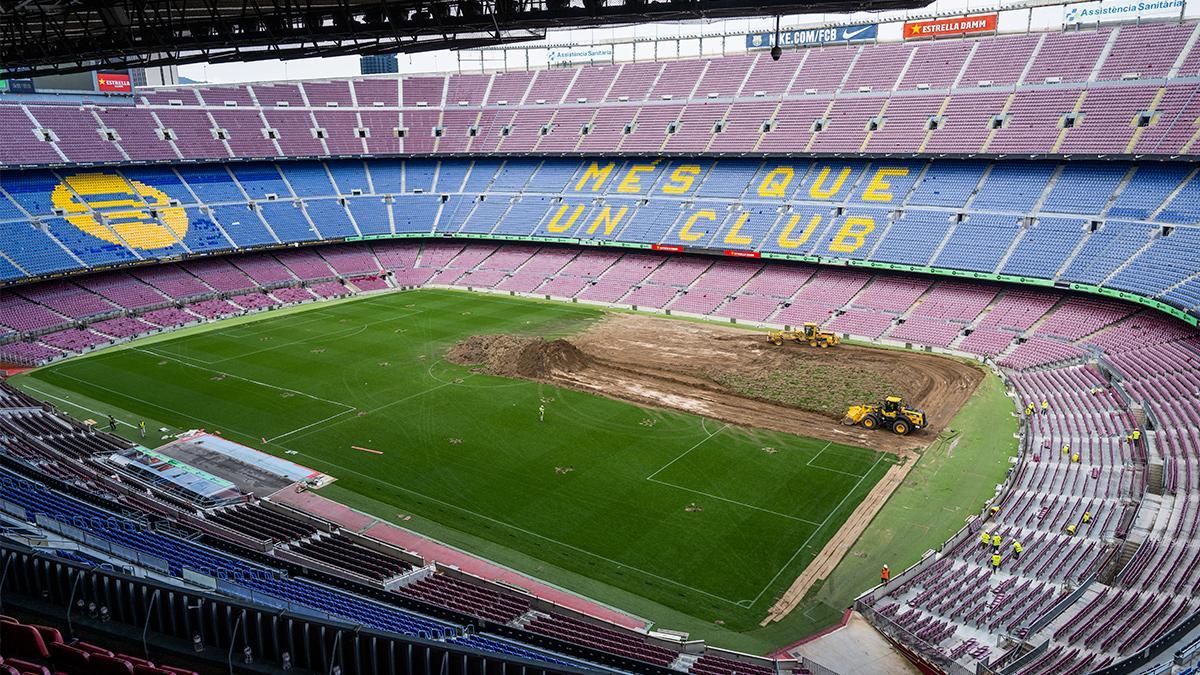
776	53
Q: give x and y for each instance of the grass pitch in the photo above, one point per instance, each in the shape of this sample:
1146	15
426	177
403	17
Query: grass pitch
623	503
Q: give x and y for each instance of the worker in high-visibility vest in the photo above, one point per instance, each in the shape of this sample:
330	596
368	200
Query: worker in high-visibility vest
995	562
1045	406
1075	458
1017	548
1071	529
996	540
1087	517
1066	448
985	538
884	575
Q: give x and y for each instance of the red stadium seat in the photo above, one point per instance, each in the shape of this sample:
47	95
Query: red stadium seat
136	661
22	641
68	658
49	635
139	669
27	667
93	649
110	665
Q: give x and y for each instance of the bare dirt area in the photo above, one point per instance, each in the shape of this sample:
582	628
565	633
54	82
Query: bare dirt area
735	375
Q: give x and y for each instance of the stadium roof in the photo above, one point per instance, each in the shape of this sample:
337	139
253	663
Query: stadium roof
58	36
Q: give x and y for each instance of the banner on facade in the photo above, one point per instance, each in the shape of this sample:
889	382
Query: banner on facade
966	25
805	37
1120	10
570	56
117	83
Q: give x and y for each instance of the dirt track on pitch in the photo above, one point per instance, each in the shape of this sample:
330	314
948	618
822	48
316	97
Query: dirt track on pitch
713	370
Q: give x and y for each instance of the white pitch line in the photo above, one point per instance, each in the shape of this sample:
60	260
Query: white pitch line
814	533
239	377
351	330
819	453
809	463
74	404
399	400
307	426
731	501
149	403
685	452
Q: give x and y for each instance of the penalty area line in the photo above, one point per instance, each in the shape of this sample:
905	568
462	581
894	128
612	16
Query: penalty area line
309	426
73	404
822	527
180	361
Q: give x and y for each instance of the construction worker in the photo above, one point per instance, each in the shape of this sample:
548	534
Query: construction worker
1075	458
112	423
142	428
1029	410
1134	436
1045	406
1087	517
1066	448
542	412
884	575
1017	548
995	562
995	510
1071	529
996	541
985	538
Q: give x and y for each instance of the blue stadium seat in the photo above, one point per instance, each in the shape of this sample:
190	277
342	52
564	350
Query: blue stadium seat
947	183
1150	185
371	214
1106	249
287	220
260	179
330	217
1013	187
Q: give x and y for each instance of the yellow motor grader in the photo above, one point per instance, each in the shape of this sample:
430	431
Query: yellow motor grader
810	333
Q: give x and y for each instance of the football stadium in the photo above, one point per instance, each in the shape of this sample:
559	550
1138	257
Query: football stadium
826	339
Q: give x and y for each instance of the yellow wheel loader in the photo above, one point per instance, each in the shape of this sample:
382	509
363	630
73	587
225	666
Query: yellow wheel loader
891	415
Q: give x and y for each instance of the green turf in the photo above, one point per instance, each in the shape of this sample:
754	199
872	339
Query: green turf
596	498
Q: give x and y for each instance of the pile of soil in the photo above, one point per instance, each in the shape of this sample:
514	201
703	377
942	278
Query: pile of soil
519	356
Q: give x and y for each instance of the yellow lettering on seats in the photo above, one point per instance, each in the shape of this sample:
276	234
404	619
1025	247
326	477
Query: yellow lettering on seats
816	191
595	175
734	235
784	237
877	190
609	221
852	235
632	181
686	233
557	226
682	179
776	182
